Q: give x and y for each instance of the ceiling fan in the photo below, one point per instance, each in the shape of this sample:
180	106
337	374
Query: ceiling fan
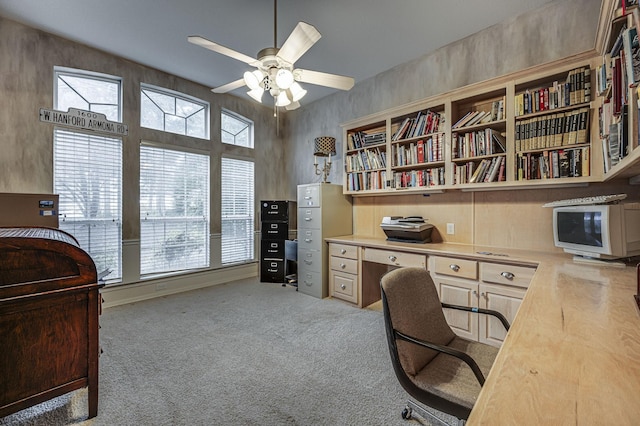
275	72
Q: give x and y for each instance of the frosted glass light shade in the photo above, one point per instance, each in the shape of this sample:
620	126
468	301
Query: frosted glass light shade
284	78
253	79
282	100
256	94
297	92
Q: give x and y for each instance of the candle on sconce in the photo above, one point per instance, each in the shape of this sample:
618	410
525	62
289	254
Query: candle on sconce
315	160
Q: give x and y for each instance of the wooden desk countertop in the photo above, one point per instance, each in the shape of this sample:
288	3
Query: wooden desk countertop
572	355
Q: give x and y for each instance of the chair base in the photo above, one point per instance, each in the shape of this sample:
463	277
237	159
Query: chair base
412	406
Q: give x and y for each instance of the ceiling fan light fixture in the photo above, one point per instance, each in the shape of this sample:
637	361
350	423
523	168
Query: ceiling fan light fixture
256	94
296	92
253	79
284	78
282	100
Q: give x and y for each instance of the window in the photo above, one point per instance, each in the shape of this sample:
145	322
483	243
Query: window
87	169
236	130
174	210
237	208
173	112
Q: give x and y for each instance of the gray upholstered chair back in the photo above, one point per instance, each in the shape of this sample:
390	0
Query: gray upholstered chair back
415	309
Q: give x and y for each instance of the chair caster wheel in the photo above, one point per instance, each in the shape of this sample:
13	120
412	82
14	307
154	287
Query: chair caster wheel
406	413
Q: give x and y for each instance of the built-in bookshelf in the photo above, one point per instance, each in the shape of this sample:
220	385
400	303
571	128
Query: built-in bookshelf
573	121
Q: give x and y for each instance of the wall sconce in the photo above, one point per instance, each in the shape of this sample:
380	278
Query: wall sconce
325	146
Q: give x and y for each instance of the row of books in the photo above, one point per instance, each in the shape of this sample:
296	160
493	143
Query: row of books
473	118
616	144
481	142
575	90
419	152
367	159
424	123
362	139
419	178
555	164
487	170
367	181
561	129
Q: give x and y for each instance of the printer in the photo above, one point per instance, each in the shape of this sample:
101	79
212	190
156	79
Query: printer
412	229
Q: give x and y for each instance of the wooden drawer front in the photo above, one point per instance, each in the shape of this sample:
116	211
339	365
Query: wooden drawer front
310	239
519	276
343	250
389	257
310	260
344	287
308	196
462	268
309	217
349	266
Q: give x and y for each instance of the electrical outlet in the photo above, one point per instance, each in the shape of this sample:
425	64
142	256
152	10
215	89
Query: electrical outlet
451	229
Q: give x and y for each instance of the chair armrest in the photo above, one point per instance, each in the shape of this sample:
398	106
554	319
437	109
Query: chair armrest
496	314
447	350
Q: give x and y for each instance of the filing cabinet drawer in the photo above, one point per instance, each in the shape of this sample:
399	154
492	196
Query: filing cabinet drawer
310	260
277	211
272	271
462	268
275	230
309	217
310	239
343	250
344	286
389	257
272	249
349	266
519	276
310	283
308	196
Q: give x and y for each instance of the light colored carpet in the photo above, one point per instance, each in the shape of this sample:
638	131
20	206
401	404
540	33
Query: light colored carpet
243	353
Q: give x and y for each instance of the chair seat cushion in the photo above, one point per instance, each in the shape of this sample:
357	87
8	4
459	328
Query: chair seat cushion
451	378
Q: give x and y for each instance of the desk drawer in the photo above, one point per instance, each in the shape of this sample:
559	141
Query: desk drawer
349	266
343	250
519	276
394	258
462	268
344	286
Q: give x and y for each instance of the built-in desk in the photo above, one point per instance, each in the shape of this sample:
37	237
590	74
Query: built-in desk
572	355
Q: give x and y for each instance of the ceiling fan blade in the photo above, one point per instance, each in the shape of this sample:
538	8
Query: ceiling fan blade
218	48
229	86
299	41
323	79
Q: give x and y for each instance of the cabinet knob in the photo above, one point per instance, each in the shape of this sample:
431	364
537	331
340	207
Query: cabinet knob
508	275
393	258
342	265
342	286
474	292
343	251
454	267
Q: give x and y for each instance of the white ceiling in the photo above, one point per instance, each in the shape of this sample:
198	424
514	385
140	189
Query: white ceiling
360	38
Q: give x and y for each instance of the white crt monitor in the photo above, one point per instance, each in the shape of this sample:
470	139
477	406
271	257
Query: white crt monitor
606	231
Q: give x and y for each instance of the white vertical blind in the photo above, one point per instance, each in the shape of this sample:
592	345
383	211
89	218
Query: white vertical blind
237	209
88	178
174	210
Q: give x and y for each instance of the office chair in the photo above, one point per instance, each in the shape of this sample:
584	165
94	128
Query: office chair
434	366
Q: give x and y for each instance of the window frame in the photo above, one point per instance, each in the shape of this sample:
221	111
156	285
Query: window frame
250	125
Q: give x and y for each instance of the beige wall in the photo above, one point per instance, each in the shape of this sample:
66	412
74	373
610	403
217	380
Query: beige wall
511	218
26	85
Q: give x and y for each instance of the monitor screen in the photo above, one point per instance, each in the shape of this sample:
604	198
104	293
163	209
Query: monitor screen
576	227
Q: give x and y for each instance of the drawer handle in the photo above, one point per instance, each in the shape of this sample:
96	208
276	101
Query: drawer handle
307	240
307	198
308	219
342	286
454	267
308	262
343	251
342	265
393	258
308	283
475	292
508	275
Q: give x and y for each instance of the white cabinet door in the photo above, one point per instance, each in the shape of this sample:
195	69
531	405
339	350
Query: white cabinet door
459	292
503	299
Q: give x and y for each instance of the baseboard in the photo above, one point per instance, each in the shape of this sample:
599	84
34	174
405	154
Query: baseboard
143	290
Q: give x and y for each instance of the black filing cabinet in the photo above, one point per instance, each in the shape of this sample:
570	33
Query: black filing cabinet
278	218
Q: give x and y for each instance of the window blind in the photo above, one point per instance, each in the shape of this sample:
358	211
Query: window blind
174	210
237	210
88	178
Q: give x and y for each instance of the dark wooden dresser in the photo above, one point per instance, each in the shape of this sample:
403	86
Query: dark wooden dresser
49	307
